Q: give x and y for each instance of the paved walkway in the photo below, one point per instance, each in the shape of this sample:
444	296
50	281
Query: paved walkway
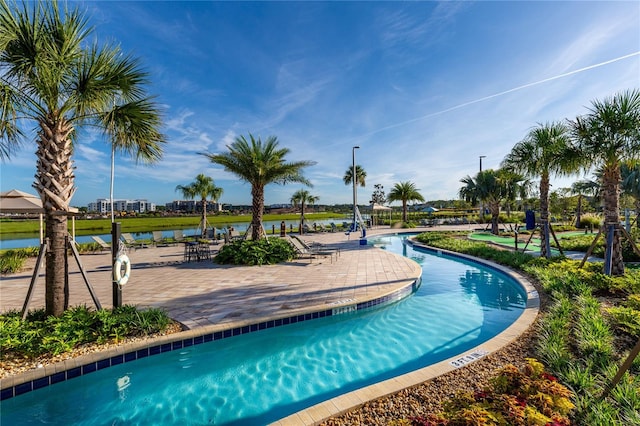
204	293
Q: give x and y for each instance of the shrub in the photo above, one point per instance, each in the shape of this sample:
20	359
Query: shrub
12	261
526	396
633	301
265	251
590	220
39	334
625	318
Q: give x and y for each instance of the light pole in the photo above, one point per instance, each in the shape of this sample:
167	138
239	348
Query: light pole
481	205
353	178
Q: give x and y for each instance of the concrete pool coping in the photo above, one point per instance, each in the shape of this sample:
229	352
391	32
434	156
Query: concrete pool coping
336	406
406	274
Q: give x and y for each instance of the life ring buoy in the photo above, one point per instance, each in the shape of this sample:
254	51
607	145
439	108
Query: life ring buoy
122	260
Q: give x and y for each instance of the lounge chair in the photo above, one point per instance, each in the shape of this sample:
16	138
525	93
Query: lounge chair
319	247
131	242
234	234
159	240
103	244
334	228
303	251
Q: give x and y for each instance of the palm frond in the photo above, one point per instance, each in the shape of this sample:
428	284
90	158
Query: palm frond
133	128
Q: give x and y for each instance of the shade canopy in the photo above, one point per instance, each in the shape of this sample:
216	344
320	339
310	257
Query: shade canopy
15	201
379	207
430	209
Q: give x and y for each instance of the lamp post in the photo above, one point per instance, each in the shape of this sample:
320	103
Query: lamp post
353	179
481	205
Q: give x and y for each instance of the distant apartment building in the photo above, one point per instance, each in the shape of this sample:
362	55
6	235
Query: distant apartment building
192	206
103	206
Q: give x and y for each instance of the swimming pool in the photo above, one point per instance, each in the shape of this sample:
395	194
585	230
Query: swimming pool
260	377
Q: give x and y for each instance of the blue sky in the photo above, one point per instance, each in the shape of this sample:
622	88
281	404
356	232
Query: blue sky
424	88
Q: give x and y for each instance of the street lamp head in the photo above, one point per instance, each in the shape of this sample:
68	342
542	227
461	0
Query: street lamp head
356	147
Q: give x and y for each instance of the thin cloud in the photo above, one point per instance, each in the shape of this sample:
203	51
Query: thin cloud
495	95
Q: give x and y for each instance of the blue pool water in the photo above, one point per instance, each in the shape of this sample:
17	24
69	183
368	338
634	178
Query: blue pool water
260	377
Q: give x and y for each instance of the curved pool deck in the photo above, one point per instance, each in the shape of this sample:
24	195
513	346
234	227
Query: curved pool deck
209	299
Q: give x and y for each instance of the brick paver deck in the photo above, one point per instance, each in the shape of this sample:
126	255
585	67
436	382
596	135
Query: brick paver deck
204	293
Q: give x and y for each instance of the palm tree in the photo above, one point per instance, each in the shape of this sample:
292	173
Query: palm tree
405	191
56	78
630	174
516	187
608	135
260	163
361	176
202	187
545	151
582	188
489	188
300	198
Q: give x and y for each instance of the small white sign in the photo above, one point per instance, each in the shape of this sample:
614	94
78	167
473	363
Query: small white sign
468	358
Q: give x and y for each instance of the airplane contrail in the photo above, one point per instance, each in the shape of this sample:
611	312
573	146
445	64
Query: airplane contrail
524	86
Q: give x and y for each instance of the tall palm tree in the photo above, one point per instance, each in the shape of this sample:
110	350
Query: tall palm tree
545	151
361	176
55	77
582	188
608	135
487	187
300	198
630	175
405	191
260	163
202	187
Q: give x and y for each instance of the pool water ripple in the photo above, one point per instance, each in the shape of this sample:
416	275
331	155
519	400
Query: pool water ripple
263	376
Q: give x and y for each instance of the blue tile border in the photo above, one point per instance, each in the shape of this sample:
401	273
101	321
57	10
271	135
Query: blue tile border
19	389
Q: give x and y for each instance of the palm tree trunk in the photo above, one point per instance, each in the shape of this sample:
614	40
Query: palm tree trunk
204	218
257	193
301	219
55	184
544	215
56	231
495	215
404	210
611	197
579	211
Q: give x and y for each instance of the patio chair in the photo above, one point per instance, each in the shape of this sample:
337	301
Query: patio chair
103	244
204	251
131	242
158	240
211	236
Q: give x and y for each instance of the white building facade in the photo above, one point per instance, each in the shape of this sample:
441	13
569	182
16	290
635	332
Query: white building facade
103	206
